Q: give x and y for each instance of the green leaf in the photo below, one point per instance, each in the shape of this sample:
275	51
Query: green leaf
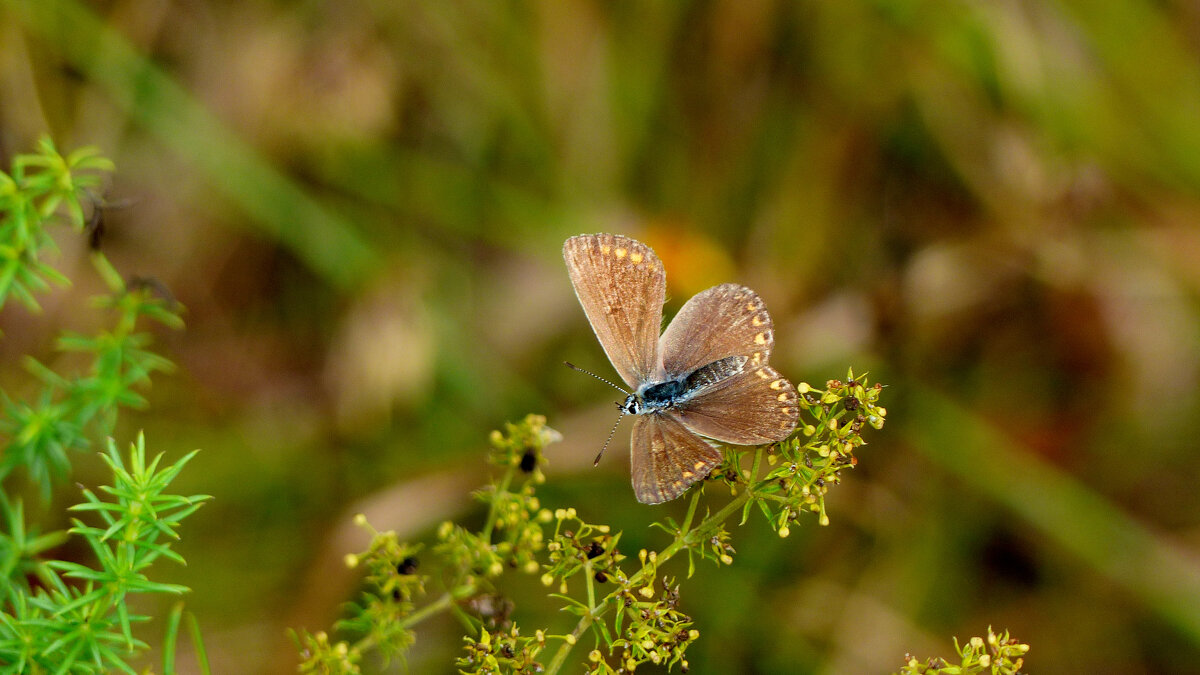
574	606
602	630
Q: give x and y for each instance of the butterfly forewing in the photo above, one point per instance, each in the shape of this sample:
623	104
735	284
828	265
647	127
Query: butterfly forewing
621	285
667	458
726	320
755	407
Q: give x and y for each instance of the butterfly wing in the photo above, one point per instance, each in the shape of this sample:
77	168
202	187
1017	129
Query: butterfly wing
725	320
621	285
754	407
667	458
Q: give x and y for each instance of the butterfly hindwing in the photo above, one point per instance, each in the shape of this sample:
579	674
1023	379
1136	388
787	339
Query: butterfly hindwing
755	407
667	458
621	285
726	320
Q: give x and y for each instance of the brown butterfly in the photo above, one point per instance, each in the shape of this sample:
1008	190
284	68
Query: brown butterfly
704	379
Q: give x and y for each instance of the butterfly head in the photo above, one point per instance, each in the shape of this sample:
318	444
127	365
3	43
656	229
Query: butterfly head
632	406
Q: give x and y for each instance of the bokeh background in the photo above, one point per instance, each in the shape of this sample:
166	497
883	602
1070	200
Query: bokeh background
991	206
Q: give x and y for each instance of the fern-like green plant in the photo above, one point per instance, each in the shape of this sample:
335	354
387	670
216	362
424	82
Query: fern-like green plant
76	618
59	616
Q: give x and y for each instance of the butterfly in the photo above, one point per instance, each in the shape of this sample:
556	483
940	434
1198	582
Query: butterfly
704	381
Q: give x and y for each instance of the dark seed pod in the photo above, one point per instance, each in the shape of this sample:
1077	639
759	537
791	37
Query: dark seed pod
529	461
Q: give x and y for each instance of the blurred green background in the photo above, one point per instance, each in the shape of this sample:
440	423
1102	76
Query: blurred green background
992	206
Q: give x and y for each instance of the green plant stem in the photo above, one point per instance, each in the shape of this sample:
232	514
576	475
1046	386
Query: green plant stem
444	602
486	533
687	521
591	586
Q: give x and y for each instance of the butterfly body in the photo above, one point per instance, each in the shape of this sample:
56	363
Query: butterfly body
654	397
704	380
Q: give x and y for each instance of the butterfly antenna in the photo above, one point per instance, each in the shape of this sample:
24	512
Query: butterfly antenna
609	439
572	366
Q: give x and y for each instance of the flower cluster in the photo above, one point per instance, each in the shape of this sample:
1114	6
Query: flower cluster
505	651
390	565
520	446
578	546
999	654
652	631
805	468
321	656
518	527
